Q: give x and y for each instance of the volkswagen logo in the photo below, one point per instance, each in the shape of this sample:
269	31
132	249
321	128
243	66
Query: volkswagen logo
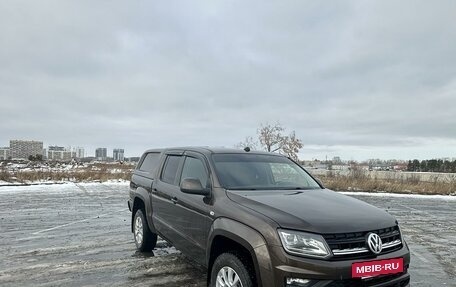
375	243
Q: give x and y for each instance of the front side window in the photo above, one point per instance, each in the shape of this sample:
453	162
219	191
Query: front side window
194	168
254	171
170	170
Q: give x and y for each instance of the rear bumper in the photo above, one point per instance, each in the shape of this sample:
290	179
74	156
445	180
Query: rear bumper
325	273
130	205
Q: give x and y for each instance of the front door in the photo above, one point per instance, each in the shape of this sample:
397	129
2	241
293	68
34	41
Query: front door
192	218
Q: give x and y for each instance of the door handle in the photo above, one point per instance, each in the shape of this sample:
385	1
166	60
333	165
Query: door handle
174	199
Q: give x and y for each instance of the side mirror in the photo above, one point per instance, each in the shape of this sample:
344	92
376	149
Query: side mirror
319	182
193	186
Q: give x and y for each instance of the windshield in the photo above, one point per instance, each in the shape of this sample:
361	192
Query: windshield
254	171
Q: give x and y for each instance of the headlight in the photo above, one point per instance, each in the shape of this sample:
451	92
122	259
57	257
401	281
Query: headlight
302	243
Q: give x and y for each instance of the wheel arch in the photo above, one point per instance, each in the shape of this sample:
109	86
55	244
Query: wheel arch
140	201
230	235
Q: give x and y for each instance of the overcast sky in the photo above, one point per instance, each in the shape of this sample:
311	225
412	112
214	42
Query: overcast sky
358	80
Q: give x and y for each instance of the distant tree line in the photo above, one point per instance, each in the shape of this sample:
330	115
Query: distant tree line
37	157
432	165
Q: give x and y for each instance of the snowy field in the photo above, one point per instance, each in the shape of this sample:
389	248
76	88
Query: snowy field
79	235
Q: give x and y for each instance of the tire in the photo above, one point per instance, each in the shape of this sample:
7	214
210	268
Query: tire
145	240
234	268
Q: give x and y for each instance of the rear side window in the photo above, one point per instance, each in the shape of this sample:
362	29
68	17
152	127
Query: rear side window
170	170
150	163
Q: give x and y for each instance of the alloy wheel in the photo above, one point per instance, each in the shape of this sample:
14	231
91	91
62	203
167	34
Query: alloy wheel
138	230
227	277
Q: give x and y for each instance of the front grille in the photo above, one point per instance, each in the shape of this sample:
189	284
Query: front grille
353	245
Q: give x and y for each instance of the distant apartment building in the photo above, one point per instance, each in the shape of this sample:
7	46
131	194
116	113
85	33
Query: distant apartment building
4	153
20	149
78	152
118	154
101	153
58	153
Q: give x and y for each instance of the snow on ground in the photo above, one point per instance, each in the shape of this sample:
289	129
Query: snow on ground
121	182
78	234
61	187
402	195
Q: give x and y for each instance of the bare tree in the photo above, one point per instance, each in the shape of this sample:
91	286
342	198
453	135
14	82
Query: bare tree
272	139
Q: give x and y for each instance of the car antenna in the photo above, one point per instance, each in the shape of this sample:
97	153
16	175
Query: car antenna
247	149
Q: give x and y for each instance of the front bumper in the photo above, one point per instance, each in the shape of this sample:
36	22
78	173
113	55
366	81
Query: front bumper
326	273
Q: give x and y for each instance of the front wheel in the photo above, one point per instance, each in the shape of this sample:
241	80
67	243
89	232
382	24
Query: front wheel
145	240
230	271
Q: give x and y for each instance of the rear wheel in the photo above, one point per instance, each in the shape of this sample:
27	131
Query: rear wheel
145	240
230	270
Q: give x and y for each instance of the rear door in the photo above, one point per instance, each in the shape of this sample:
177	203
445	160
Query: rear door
164	192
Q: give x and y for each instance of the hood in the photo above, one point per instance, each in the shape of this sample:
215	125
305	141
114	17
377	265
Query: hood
321	210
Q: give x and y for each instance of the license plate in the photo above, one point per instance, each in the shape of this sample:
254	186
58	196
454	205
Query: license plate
378	267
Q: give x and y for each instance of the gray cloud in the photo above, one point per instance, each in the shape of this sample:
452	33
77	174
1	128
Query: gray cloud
356	79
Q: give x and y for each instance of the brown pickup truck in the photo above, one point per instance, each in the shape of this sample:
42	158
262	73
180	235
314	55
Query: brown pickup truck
259	219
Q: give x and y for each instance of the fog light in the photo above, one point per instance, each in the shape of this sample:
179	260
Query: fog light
298	282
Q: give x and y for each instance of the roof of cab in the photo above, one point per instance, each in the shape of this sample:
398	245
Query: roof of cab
209	150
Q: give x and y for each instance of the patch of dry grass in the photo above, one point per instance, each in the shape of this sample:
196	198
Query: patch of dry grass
357	181
96	172
24	176
5	175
